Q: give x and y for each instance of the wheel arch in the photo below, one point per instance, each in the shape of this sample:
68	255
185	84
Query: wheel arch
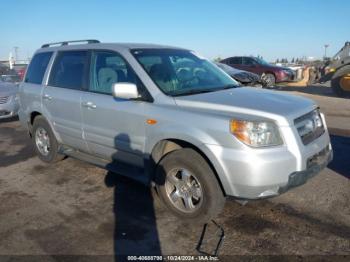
270	73
32	117
168	145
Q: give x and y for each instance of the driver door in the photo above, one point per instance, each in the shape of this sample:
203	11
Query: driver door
114	129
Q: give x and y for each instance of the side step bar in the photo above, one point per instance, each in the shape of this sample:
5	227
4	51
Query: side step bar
121	168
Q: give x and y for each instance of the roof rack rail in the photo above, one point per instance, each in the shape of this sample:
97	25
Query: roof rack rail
88	41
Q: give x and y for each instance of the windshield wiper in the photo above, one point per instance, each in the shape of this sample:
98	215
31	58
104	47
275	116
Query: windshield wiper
228	87
193	92
201	91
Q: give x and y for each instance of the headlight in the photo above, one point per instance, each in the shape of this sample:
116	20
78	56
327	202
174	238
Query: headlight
256	134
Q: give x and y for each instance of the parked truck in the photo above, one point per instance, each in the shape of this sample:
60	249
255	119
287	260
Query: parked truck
338	71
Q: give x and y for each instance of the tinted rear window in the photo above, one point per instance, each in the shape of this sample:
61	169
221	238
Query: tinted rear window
37	68
68	70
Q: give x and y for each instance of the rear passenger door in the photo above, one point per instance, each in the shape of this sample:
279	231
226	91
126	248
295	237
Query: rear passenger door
31	88
62	96
114	128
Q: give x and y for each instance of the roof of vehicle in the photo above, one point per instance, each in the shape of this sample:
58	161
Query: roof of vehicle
97	45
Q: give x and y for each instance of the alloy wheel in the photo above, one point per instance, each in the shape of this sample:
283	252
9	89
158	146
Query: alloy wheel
184	190
42	141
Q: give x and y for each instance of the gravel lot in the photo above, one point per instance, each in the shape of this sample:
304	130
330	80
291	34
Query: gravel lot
74	208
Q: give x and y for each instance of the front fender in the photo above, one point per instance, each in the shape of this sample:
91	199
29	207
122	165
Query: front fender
197	138
188	134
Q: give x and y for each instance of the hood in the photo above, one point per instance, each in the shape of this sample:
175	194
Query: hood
275	105
8	89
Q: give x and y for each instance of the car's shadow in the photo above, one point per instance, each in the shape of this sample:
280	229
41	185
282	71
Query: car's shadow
135	230
341	160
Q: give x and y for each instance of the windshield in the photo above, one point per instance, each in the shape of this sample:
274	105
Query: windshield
181	72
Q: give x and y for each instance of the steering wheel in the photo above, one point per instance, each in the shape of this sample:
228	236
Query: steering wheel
186	77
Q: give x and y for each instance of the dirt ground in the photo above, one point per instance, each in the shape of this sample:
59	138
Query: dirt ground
74	208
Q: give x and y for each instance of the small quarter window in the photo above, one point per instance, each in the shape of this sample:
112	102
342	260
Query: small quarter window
37	68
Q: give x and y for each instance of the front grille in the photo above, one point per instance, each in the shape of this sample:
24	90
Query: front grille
309	126
4	99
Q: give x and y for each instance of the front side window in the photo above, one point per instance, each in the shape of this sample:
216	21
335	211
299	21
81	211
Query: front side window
37	68
261	61
68	70
181	72
106	69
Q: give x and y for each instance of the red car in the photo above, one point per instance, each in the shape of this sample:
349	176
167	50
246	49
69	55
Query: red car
20	70
271	74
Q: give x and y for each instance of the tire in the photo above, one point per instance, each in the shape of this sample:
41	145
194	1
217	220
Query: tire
269	80
336	84
195	181
42	131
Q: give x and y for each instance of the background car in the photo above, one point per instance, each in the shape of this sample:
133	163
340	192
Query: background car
9	75
243	77
10	78
20	70
9	103
271	74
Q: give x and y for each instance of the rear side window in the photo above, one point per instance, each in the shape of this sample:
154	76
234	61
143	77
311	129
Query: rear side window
68	70
37	68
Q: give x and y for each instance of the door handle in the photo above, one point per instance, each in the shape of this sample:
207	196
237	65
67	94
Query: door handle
88	105
47	97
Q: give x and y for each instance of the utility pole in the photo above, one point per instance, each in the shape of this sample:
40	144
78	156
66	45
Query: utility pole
325	50
16	53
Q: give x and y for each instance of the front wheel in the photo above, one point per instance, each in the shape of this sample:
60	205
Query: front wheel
189	187
45	143
269	80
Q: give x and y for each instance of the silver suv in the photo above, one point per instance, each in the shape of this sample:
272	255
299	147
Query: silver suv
172	119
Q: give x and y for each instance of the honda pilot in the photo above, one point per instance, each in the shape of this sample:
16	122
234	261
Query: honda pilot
171	119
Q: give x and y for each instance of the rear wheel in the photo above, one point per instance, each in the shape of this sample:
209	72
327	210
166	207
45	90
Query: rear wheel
44	141
188	186
268	79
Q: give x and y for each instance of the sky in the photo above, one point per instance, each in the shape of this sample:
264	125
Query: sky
216	28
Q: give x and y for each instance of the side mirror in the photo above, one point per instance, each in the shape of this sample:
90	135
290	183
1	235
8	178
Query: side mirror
125	91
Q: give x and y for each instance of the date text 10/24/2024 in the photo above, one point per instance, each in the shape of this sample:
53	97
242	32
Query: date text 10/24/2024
173	258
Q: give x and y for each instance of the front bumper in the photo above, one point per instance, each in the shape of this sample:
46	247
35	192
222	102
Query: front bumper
298	178
254	173
9	109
